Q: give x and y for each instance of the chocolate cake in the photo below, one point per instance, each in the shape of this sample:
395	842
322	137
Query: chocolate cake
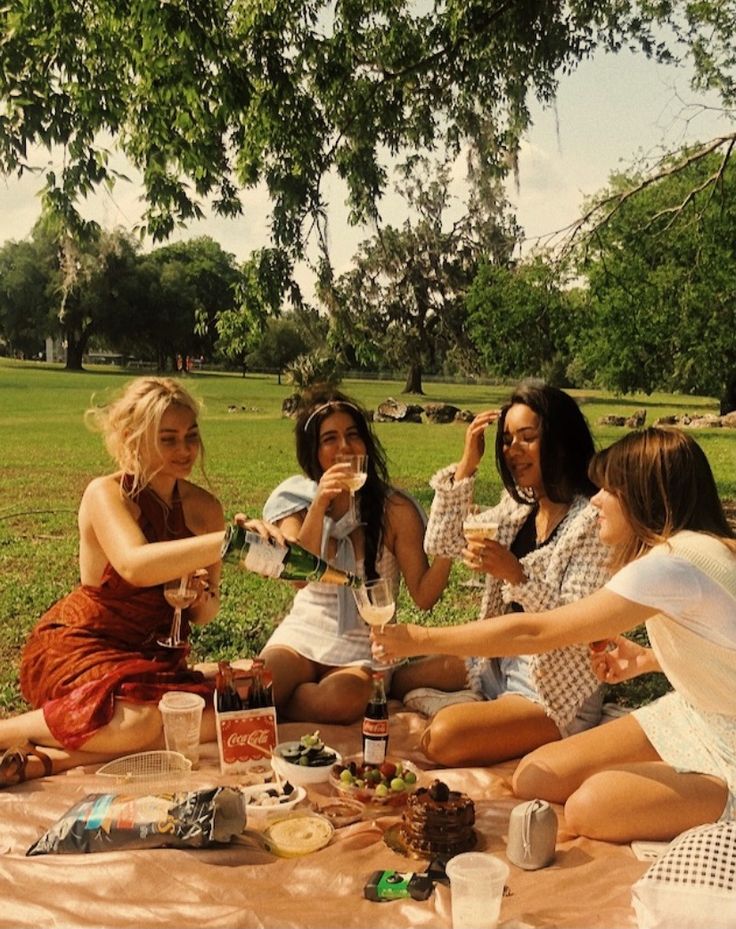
438	821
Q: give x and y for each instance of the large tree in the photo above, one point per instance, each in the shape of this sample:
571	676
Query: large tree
661	294
403	303
96	280
190	284
28	295
204	96
519	320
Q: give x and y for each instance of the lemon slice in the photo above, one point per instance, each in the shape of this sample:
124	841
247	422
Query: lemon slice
298	834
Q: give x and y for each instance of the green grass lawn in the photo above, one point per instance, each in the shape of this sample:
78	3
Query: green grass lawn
49	456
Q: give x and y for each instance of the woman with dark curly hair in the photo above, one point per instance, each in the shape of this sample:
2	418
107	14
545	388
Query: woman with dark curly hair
320	653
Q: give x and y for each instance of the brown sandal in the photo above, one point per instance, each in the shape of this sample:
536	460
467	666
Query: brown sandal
14	762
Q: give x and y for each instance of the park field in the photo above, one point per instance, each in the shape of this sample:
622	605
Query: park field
49	456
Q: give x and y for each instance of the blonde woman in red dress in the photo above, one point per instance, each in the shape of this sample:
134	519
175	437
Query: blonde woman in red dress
93	668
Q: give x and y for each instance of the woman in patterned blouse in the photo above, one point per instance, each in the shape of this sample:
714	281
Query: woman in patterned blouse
546	553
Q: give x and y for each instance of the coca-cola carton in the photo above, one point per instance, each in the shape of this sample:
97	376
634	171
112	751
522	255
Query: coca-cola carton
246	739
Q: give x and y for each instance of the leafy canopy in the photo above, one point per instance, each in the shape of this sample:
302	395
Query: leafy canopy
207	96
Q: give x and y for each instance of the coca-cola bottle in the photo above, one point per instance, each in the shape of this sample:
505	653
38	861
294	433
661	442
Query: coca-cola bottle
375	723
227	695
288	562
260	693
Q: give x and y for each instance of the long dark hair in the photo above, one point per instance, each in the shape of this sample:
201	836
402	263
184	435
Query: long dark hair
664	483
566	444
315	405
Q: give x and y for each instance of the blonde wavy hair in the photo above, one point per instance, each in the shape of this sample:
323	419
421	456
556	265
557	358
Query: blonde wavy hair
130	424
664	483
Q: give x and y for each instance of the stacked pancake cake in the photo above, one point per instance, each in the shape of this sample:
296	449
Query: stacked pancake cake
438	821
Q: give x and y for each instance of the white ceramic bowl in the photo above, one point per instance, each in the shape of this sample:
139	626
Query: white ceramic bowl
297	773
262	809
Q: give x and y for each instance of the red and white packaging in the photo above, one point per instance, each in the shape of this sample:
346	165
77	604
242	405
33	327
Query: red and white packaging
246	739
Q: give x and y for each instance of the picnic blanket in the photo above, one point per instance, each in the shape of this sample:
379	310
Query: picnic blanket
229	887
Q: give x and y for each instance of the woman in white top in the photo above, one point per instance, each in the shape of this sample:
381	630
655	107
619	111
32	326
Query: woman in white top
320	654
671	765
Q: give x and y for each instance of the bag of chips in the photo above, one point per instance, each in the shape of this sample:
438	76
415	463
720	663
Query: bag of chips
111	822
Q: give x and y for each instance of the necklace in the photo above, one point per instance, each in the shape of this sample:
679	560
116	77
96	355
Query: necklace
548	519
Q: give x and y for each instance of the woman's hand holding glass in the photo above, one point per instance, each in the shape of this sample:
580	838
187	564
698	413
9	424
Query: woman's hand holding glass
622	660
398	640
375	601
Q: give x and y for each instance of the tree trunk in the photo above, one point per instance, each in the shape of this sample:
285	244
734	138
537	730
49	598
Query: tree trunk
74	353
414	380
728	400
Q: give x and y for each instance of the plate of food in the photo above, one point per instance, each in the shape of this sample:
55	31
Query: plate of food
388	784
306	761
265	802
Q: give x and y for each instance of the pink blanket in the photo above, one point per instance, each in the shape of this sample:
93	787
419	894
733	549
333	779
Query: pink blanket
588	885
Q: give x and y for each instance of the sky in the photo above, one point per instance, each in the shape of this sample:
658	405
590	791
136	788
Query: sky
612	110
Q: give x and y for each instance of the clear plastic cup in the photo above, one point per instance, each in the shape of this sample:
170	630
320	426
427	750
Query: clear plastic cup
182	716
476	885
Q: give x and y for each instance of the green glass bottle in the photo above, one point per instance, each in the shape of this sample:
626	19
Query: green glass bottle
288	562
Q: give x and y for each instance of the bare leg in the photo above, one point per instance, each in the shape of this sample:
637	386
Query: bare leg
444	672
289	670
305	691
488	732
133	728
339	697
616	788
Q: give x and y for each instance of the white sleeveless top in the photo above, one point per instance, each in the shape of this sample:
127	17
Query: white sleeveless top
311	625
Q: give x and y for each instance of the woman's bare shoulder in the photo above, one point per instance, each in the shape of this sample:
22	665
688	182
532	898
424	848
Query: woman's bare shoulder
402	513
104	485
201	502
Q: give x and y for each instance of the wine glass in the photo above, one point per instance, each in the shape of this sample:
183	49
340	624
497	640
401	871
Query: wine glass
375	600
356	478
479	524
376	604
178	593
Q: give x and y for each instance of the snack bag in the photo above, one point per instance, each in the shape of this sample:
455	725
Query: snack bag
110	822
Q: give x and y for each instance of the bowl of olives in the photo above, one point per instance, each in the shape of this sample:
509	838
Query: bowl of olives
306	761
387	784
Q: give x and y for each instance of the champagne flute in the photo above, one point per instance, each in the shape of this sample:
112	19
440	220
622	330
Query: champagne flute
356	478
178	593
478	526
376	604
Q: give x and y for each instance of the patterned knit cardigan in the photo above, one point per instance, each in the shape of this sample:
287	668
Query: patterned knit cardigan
569	567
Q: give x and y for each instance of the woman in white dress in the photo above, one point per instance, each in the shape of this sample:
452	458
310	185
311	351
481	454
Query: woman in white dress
320	654
671	765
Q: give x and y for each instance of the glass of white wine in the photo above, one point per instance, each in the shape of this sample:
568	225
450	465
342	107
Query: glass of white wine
356	478
375	600
376	605
179	593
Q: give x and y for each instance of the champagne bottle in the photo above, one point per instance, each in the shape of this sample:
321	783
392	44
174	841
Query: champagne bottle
288	562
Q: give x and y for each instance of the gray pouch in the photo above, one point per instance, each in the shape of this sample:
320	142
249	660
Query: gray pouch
532	835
